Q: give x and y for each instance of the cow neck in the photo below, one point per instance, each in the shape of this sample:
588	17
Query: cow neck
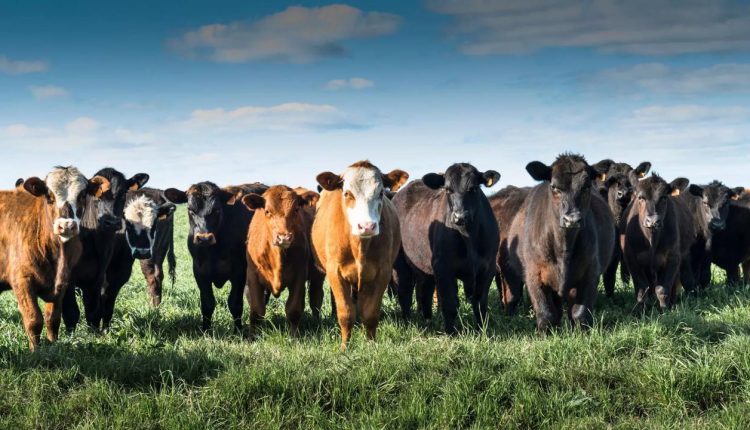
70	254
48	244
562	242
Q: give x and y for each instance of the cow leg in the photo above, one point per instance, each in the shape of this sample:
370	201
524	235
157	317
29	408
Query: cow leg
315	286
52	317
733	275
30	313
208	301
610	274
154	278
666	281
544	309
479	298
234	302
426	296
687	278
369	304
91	305
447	288
109	297
404	280
624	273
295	306
70	312
581	303
746	272
345	311
512	291
255	295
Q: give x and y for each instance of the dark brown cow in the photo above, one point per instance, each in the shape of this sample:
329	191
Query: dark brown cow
559	242
356	239
279	253
731	245
656	236
40	243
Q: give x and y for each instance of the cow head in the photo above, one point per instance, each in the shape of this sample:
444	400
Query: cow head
363	190
570	179
280	205
715	198
608	168
651	197
141	221
111	203
461	184
619	193
206	203
65	190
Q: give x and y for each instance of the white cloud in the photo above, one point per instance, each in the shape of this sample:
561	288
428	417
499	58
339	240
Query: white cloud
351	83
82	126
47	92
20	67
657	77
282	117
679	115
645	27
298	35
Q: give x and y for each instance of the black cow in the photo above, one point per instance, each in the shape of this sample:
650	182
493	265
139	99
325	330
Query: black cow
731	245
709	206
559	242
656	236
216	241
448	232
102	218
607	168
148	237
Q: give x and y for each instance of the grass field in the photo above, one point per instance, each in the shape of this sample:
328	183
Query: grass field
689	368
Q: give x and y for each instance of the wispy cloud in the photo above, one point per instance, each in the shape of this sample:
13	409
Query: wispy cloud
645	27
298	35
42	92
351	83
21	67
658	77
680	115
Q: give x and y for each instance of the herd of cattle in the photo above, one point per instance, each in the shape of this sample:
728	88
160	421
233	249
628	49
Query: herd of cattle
368	235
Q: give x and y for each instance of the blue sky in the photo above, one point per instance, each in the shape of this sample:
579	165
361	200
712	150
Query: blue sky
276	91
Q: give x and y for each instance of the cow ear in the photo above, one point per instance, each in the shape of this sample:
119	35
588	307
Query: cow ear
601	168
19	182
98	185
165	211
35	186
490	178
137	181
309	198
228	197
737	192
253	201
610	181
539	171
642	169
679	185
434	180
395	179
175	196
330	181
696	190
320	189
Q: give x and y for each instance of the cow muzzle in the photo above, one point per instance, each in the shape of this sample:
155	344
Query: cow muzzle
366	229
571	220
652	222
204	239
283	241
65	228
460	218
717	224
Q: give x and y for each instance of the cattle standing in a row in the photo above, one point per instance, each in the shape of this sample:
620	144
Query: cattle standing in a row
102	219
356	239
216	241
448	233
560	242
656	236
148	237
279	253
40	243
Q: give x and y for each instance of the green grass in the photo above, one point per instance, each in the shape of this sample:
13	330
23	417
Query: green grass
689	368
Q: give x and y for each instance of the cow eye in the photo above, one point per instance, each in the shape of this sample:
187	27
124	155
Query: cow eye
348	195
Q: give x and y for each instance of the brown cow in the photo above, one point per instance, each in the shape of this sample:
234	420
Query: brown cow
40	244
278	253
356	240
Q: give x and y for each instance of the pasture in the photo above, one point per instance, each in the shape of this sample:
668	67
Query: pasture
688	368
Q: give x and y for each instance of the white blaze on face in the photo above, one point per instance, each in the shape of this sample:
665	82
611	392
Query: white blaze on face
366	186
141	213
66	185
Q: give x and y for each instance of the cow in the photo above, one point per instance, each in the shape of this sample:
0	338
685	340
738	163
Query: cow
148	237
619	193
102	219
505	205
40	243
448	233
315	276
355	239
559	242
279	253
709	206
607	168
731	245
216	241
656	234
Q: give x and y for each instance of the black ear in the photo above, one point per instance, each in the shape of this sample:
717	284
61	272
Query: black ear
228	197
490	178
633	178
539	171
679	185
19	182
738	192
642	169
433	180
137	181
165	211
610	181
330	181
696	190
308	198
602	168
175	196
35	186
253	201
320	189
